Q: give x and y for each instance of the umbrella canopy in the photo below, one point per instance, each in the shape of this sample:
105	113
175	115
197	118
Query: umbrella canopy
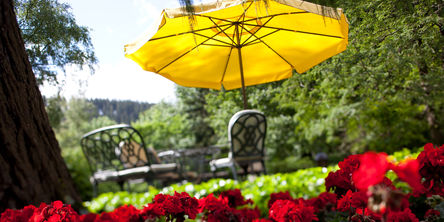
238	43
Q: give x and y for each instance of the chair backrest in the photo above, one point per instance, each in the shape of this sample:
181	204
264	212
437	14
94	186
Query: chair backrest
115	148
246	135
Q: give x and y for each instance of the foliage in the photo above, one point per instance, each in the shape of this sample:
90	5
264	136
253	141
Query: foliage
52	38
53	107
192	103
163	126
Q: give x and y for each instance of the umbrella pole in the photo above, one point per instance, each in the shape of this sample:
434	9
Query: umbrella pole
242	77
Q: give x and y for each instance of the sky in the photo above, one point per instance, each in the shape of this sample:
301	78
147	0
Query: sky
112	24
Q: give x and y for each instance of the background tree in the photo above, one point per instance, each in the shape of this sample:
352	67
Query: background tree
52	38
192	102
33	170
165	127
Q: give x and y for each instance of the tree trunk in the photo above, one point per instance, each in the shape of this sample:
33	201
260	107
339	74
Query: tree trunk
32	169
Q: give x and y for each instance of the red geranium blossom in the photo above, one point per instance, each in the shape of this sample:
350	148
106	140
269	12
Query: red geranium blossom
402	216
89	217
367	213
344	204
152	211
215	209
371	170
22	215
234	198
279	196
178	205
126	214
341	180
56	211
247	214
325	201
408	171
287	210
352	199
431	167
432	213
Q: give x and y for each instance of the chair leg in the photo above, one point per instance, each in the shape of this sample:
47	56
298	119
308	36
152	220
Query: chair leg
233	170
263	167
129	186
121	183
95	188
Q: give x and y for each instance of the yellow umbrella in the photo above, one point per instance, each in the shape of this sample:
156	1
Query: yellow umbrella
238	43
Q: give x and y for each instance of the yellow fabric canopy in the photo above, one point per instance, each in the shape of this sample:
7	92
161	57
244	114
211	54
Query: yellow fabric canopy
236	41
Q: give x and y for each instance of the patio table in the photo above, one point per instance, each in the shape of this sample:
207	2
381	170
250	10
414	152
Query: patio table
196	161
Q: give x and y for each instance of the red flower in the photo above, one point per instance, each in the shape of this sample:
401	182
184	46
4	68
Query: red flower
359	199
371	170
56	211
431	167
341	180
126	214
246	214
402	216
215	209
90	217
344	204
325	201
177	206
279	196
189	204
287	210
367	213
408	171
152	211
432	213
235	198
22	215
351	163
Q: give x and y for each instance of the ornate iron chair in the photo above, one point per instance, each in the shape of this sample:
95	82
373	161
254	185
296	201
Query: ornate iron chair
118	153
246	136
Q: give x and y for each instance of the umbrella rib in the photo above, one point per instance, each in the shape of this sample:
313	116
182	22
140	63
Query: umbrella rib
182	33
274	15
226	65
218	45
298	31
227	44
257	30
223	31
255	41
245	11
187	52
273	50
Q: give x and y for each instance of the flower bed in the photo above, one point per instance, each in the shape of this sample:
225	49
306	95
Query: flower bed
360	191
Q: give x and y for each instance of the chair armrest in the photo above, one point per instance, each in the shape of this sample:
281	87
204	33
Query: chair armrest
219	150
169	156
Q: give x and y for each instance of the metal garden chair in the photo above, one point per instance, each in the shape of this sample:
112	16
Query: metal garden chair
118	153
246	137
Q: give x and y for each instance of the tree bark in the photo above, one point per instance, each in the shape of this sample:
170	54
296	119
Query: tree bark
32	169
